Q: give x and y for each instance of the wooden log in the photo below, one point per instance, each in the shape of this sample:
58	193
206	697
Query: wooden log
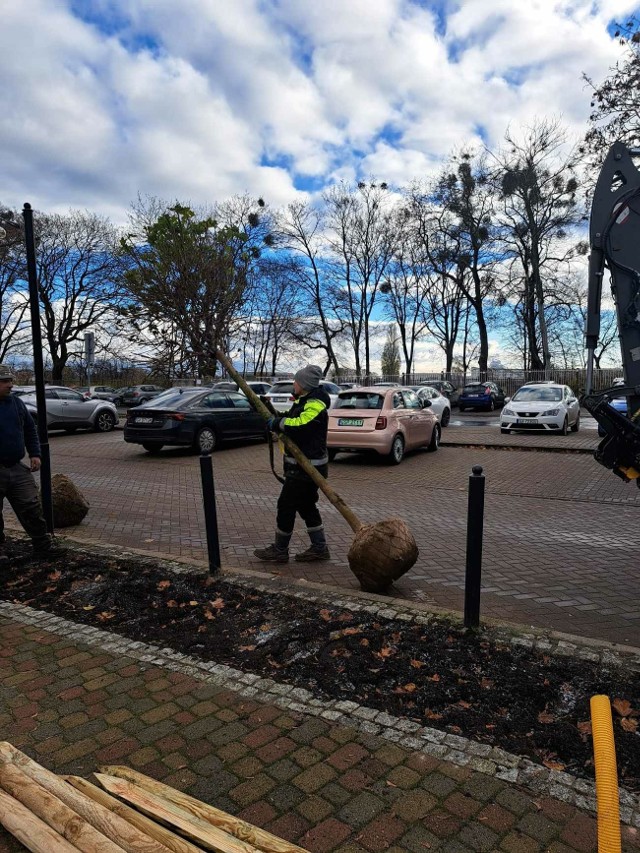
260	838
53	811
114	827
145	824
197	830
29	829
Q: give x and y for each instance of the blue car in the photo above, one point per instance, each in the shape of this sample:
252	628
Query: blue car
618	403
481	395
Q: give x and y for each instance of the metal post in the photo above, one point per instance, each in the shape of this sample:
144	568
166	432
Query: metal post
38	368
475	524
210	514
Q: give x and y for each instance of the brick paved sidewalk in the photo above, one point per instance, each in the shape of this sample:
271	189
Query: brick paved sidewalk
73	705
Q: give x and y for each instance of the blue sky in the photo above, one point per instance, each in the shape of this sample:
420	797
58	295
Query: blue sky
200	99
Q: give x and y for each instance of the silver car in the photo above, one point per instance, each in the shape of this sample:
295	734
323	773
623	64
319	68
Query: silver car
69	410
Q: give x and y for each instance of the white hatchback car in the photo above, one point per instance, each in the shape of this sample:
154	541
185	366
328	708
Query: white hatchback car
437	402
541	406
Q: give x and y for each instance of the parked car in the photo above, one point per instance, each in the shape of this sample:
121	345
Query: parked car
346	386
281	393
439	404
99	392
258	388
480	395
200	418
135	395
542	406
67	409
387	421
445	388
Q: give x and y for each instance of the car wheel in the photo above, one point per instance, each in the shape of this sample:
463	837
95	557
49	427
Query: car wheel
446	417
576	426
492	405
332	454
434	444
152	448
462	408
206	440
565	427
505	431
105	422
397	450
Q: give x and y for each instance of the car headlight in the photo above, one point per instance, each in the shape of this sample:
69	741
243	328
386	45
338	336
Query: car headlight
551	413
509	412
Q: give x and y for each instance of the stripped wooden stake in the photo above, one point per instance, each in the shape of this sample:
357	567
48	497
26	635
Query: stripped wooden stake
260	838
29	829
198	830
114	827
145	824
53	811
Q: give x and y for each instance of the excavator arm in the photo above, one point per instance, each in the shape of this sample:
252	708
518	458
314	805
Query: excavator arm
614	235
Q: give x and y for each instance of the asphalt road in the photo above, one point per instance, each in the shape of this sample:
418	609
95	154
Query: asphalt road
561	533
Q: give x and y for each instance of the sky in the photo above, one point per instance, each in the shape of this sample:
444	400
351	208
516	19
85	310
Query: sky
200	99
197	100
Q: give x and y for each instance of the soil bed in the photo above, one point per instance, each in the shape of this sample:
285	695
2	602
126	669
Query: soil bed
435	674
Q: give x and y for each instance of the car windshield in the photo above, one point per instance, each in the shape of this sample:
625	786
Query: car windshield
282	388
538	395
173	398
359	400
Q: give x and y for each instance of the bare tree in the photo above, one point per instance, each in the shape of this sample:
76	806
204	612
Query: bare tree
14	299
538	191
466	197
362	242
79	270
322	304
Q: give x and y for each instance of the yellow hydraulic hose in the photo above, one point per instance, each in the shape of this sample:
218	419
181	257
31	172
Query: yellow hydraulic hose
604	753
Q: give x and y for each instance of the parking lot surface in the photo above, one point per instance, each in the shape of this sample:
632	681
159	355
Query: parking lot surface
561	534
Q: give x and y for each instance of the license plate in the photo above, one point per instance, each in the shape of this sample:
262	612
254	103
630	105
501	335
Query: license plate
144	420
527	421
350	422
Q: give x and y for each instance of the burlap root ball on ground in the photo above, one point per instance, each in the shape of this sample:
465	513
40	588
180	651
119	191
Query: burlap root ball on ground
381	553
69	504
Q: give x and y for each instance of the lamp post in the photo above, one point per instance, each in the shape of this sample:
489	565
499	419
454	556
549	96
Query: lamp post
38	365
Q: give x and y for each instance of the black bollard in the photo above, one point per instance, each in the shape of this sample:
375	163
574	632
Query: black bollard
475	524
210	514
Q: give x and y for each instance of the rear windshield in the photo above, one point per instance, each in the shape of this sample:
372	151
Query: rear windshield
474	389
538	395
173	398
358	400
282	388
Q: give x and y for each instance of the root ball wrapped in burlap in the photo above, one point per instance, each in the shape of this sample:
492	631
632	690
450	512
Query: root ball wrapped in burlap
381	553
69	504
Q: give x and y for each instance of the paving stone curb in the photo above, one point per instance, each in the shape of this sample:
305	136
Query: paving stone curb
461	751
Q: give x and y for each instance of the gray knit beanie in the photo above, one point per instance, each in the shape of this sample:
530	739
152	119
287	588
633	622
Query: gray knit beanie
309	377
6	372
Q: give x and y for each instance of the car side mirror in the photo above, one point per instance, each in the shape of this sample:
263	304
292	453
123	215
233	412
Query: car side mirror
572	399
425	403
507	399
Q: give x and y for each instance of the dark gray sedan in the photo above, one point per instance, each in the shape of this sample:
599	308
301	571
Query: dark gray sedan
200	418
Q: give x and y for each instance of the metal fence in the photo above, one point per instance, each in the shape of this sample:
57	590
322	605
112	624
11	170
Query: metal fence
508	379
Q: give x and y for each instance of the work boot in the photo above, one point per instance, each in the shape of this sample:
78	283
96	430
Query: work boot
312	554
48	549
271	554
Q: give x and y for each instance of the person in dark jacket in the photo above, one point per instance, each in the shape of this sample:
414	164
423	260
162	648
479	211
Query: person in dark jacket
306	423
18	434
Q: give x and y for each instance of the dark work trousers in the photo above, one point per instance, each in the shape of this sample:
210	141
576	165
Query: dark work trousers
19	488
299	495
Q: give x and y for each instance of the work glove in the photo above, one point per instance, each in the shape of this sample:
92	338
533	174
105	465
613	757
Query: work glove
273	425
